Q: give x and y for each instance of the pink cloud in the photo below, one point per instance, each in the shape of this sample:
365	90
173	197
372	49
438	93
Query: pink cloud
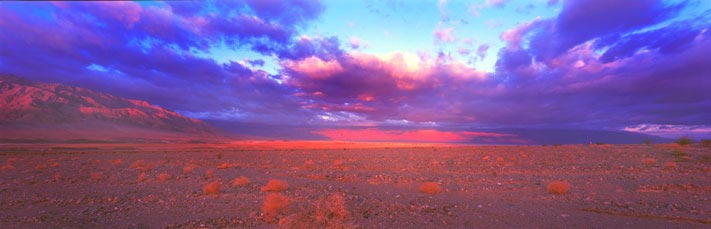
355	43
496	3
422	135
314	67
125	12
444	34
514	35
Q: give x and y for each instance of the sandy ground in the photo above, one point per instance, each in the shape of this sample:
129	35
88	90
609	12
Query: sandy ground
353	186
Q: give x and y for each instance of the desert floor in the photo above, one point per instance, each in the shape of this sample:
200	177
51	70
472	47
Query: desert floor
353	185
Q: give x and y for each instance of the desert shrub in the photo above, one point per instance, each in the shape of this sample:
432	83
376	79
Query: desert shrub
116	162
275	185
55	165
212	188
500	160
558	187
706	143
275	204
142	177
684	141
327	212
188	169
96	176
210	173
649	161
430	188
7	166
331	210
648	142
138	164
338	163
670	165
224	166
164	177
148	167
219	155
309	164
57	176
240	181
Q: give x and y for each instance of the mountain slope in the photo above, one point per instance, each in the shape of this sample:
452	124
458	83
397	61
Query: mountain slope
36	109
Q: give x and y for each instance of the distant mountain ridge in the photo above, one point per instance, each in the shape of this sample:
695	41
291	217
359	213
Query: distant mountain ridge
36	106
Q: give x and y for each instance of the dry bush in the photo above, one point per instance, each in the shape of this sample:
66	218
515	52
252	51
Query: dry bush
275	204
240	181
275	185
339	163
57	176
485	158
116	162
430	188
164	177
649	161
54	165
309	164
670	165
41	167
96	176
210	173
224	166
500	160
328	212
148	167
7	166
138	164
142	177
188	169
331	210
558	187
213	188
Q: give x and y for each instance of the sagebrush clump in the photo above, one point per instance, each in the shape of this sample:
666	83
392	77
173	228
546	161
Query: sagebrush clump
240	181
560	187
212	188
275	185
275	204
430	188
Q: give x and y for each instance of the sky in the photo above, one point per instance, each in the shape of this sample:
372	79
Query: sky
443	71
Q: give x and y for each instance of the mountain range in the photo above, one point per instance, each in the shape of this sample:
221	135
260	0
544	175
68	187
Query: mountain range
48	111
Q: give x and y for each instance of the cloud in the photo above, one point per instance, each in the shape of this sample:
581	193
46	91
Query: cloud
355	43
419	135
496	3
445	35
583	21
481	50
314	67
442	6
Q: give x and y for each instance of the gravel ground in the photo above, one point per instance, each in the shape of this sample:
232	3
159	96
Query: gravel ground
352	186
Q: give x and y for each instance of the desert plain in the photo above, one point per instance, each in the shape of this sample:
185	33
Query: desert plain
354	185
